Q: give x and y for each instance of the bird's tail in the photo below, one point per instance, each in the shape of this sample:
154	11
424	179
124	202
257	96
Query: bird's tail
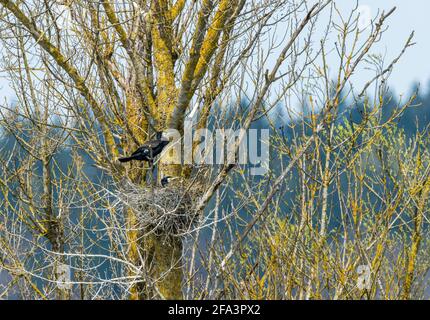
126	159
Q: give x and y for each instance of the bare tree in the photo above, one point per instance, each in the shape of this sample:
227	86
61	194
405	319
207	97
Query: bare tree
97	79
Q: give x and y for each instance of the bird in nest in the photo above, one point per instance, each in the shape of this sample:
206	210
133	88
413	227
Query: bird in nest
149	150
166	180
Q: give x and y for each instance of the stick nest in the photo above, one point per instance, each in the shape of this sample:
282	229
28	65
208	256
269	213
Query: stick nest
168	209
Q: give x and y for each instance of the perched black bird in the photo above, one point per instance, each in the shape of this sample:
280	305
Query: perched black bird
149	150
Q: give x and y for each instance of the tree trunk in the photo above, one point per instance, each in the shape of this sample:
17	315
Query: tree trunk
165	258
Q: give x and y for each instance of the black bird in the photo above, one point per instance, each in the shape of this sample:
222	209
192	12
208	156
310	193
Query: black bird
149	150
166	180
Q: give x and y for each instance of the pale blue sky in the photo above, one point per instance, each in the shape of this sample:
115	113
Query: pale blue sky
410	15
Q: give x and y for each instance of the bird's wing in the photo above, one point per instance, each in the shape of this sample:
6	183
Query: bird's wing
147	147
140	150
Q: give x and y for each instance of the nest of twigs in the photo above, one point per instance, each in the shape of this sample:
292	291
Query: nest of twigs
168	209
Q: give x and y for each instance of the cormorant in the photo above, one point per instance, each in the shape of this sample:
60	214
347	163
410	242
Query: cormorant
166	180
149	150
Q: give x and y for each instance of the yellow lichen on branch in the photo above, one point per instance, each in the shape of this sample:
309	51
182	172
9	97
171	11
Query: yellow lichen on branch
210	43
205	44
177	9
161	37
